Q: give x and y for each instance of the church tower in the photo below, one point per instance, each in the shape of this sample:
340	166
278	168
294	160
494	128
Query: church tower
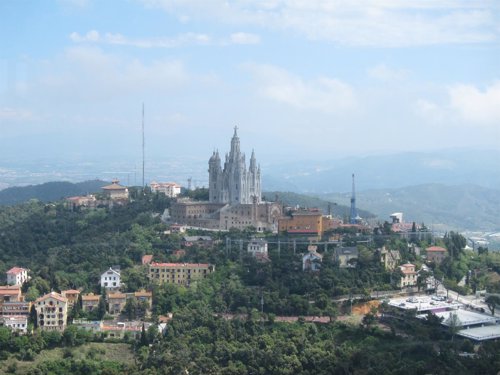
234	184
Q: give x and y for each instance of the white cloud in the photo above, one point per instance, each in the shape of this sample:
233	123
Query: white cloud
384	73
464	104
93	36
323	93
388	23
476	106
244	38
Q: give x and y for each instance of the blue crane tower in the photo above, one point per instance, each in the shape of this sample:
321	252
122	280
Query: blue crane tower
354	213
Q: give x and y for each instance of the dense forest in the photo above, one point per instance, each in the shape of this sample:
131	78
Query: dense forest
227	323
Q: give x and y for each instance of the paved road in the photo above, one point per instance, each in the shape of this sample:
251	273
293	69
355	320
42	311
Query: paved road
476	302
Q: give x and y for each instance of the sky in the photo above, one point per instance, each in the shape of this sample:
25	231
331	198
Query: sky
302	79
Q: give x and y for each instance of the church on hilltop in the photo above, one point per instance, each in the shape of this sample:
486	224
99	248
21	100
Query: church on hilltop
234	184
235	198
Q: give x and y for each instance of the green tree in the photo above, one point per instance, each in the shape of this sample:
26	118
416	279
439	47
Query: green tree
492	301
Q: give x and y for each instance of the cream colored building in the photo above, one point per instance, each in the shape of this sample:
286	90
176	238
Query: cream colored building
409	275
115	191
52	312
390	258
179	273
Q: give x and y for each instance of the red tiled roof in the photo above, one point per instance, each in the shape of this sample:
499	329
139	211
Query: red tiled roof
54	295
179	264
116	295
90	297
16	270
436	249
146	259
70	291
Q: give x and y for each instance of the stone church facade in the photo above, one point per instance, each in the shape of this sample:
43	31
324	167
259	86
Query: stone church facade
235	199
234	184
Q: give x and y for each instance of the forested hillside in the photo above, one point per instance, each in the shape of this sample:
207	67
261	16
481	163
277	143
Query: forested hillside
49	191
464	207
228	323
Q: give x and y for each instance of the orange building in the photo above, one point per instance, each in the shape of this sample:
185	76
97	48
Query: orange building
307	222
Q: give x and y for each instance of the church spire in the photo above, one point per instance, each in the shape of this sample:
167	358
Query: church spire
253	163
235	146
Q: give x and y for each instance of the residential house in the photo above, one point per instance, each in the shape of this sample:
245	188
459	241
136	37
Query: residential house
170	189
10	293
346	256
115	191
312	261
88	201
90	302
408	275
179	273
71	295
52	312
144	297
257	246
120	329
17	276
436	254
110	280
116	302
201	241
15	323
389	258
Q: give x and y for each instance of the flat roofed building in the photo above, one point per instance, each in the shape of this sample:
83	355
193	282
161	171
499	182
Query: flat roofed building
170	189
15	308
179	273
15	323
52	310
17	276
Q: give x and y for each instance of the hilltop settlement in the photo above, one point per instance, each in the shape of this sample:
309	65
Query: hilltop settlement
221	280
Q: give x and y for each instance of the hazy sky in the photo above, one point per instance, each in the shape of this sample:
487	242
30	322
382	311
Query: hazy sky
300	78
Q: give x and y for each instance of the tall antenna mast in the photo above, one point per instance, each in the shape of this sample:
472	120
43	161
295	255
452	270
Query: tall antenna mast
354	212
143	145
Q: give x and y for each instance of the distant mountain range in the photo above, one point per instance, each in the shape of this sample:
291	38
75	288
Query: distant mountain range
49	191
452	167
462	207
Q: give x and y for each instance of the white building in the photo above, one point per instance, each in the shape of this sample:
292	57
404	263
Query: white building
17	276
257	246
311	261
170	189
15	323
111	279
408	275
